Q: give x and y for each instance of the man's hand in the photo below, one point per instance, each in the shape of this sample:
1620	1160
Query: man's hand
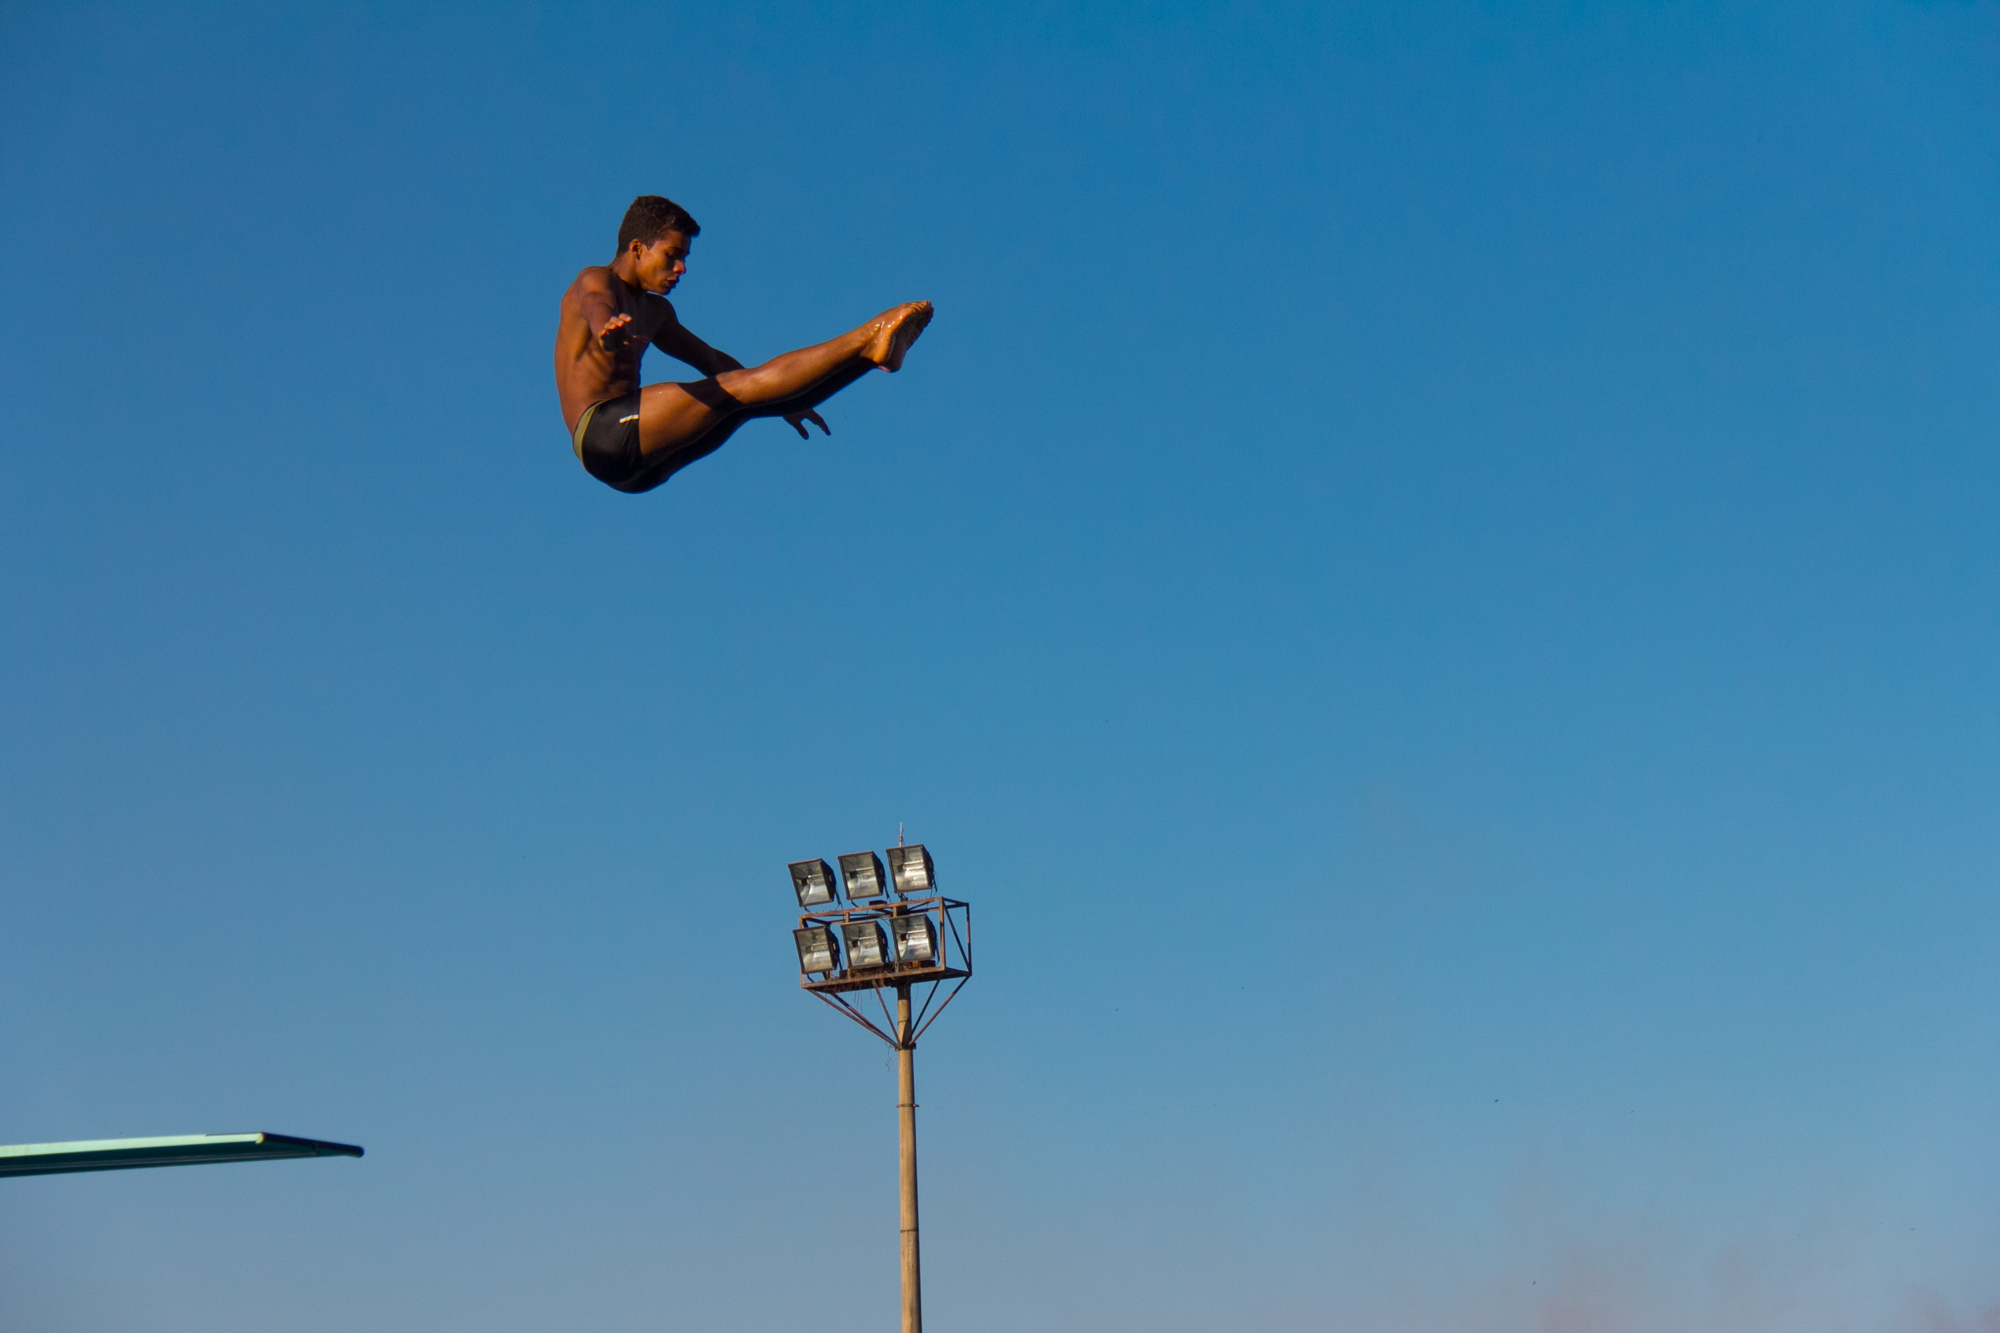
615	334
798	422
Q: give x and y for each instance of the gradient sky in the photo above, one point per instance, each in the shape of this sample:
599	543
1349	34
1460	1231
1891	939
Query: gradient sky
1434	582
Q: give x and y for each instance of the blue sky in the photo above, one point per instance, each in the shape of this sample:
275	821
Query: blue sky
1432	582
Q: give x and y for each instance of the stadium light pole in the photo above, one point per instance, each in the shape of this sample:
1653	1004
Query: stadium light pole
891	940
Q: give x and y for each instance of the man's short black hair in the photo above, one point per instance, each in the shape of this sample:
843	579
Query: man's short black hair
650	217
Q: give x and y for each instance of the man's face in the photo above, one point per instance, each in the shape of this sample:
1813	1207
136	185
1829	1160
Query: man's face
660	265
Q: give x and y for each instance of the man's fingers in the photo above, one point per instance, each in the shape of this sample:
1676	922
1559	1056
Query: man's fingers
614	334
797	421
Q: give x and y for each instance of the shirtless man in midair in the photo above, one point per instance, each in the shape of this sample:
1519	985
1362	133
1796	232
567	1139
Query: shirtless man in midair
632	439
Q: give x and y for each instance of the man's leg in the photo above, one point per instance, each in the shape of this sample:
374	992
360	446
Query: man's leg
674	418
665	462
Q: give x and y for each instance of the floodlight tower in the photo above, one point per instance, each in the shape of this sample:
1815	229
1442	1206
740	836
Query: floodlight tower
896	932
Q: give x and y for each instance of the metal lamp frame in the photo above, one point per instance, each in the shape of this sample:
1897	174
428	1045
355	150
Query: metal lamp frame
953	964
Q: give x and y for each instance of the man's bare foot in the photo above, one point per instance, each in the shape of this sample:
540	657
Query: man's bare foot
894	332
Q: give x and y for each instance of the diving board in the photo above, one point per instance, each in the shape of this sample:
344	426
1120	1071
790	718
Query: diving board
45	1159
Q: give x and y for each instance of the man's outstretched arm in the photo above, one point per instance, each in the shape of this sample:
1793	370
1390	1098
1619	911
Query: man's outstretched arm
680	343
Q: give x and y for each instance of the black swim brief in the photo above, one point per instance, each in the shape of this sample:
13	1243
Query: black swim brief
607	441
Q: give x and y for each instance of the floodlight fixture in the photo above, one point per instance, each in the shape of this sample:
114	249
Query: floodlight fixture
866	945
916	938
818	950
813	881
911	869
864	876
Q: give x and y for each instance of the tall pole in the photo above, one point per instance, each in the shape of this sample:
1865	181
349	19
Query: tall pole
906	1109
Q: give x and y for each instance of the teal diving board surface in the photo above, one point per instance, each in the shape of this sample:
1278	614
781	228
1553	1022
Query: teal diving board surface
44	1159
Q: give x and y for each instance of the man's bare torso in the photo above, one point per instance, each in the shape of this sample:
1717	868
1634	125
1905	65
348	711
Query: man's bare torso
586	372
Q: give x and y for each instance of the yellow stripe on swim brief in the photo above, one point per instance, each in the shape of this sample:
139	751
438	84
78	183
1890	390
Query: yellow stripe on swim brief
582	425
